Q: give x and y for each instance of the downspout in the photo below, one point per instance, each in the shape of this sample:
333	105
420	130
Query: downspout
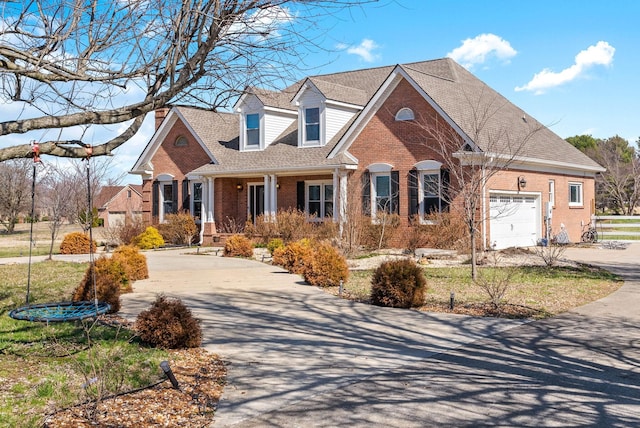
202	213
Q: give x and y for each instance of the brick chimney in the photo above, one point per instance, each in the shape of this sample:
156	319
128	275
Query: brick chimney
161	113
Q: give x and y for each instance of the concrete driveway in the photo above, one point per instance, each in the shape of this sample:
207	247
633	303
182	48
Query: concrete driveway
299	357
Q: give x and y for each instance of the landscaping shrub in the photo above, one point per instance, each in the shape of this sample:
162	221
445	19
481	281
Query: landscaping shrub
447	231
326	267
398	284
76	243
149	239
376	234
134	262
238	246
169	324
274	244
178	229
124	232
293	225
294	256
111	280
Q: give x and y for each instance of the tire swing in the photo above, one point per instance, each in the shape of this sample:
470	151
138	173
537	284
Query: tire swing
60	311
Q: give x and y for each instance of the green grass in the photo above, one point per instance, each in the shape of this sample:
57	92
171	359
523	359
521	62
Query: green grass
44	367
546	291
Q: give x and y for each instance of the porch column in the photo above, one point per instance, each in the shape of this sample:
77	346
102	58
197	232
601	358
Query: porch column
267	198
274	197
342	211
210	199
335	200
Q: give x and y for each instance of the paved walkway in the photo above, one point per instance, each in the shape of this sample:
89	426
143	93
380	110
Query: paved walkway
299	357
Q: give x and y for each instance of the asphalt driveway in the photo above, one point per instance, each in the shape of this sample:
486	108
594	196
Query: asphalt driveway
299	357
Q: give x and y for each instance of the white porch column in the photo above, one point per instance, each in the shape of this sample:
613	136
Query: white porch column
335	199
274	197
342	211
210	199
267	198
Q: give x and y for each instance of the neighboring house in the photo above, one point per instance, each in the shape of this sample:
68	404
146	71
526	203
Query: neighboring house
116	203
331	140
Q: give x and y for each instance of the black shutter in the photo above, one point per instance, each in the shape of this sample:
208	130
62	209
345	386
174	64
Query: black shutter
414	203
445	182
155	200
174	184
185	195
300	195
366	193
395	192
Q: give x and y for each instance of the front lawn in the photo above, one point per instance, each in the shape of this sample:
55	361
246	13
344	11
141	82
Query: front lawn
535	291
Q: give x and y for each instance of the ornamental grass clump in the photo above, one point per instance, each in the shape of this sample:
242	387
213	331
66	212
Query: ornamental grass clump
398	284
169	324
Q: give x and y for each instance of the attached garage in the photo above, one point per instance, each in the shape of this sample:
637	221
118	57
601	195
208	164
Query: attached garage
514	220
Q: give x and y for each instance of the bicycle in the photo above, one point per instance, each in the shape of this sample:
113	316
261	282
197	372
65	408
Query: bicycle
589	235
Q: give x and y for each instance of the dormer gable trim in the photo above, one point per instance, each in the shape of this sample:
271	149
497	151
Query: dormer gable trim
143	163
307	85
385	90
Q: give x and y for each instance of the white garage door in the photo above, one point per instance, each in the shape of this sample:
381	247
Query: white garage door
515	220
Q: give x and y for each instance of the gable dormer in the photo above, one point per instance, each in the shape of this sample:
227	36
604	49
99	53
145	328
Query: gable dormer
321	112
262	119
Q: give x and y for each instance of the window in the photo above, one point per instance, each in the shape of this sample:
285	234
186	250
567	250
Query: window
431	193
405	114
253	130
129	194
167	199
312	124
382	192
197	201
575	194
320	200
552	193
181	141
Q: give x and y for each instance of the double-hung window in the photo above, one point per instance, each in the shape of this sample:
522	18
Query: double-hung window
253	130
320	200
575	194
382	192
312	124
432	193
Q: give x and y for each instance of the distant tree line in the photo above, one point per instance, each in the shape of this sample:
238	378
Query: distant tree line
618	188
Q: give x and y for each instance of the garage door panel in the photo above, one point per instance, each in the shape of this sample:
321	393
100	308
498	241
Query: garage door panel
514	220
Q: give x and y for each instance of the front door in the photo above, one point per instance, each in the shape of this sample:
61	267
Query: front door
256	201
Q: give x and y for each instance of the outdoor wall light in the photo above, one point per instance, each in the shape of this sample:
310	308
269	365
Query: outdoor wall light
239	187
522	182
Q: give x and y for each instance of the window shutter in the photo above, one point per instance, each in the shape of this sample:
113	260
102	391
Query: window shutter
185	195
174	184
300	195
155	199
445	182
414	203
366	193
395	192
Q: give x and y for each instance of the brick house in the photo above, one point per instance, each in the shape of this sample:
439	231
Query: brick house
115	203
368	136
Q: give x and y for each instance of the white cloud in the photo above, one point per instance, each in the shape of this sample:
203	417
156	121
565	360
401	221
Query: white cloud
479	49
364	50
599	54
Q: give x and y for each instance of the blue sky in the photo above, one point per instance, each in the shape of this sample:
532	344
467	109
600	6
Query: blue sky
573	65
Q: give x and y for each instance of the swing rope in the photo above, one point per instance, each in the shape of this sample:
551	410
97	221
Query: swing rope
61	311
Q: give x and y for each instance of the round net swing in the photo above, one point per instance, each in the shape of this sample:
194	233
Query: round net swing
59	311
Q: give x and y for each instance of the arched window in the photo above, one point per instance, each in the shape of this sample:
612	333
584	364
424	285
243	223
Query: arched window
405	113
181	141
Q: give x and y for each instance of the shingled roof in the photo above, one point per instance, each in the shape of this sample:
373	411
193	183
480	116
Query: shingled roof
461	95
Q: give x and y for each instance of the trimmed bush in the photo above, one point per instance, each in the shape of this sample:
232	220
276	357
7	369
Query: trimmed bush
134	262
294	256
274	244
178	229
326	267
111	280
398	284
238	246
149	239
76	243
169	324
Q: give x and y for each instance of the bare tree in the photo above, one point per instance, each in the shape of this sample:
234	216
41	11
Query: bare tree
67	63
16	178
471	166
56	185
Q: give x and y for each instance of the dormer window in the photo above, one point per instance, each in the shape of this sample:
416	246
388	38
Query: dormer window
252	130
405	114
312	125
